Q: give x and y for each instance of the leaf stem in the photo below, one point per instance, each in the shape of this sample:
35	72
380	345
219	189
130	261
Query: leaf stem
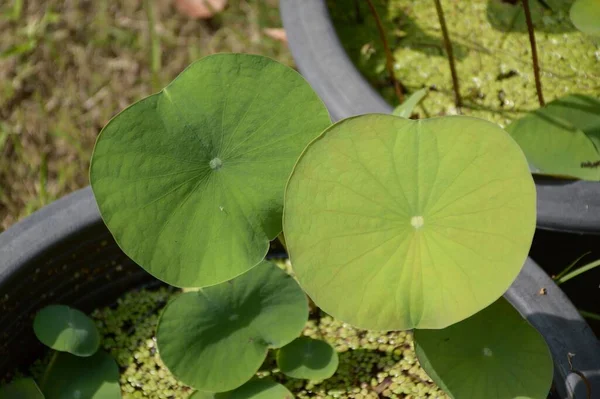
534	55
155	56
281	239
589	315
48	369
450	52
571	266
388	53
577	272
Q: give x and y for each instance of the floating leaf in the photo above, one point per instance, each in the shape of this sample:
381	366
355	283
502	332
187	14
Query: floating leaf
94	377
190	181
495	354
253	389
585	15
308	358
562	138
66	330
24	388
216	338
405	109
393	224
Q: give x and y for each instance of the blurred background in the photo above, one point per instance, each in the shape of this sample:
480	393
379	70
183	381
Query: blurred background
68	66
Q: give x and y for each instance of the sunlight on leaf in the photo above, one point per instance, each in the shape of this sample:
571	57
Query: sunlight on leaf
190	180
393	224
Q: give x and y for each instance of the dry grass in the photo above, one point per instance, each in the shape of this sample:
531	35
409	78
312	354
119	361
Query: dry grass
68	66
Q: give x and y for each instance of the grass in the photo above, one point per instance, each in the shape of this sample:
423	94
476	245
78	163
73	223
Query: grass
67	67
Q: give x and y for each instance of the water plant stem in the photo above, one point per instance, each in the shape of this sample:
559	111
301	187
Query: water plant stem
589	315
450	52
281	239
534	56
571	266
388	53
46	375
577	272
155	56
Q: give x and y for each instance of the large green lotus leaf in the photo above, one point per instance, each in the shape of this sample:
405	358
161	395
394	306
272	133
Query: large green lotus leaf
393	224
308	358
562	138
66	330
190	181
585	15
216	338
254	389
24	388
74	377
495	354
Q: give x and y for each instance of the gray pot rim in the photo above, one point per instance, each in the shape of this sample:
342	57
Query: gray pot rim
569	206
552	314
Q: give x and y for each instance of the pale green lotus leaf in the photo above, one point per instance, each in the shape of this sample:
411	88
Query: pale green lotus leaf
393	224
215	339
66	330
563	137
585	15
93	377
495	354
254	389
190	181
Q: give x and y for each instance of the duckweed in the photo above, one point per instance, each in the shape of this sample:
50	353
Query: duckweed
491	47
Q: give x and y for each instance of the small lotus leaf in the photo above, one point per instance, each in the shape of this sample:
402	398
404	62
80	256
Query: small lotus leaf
190	181
393	224
585	15
66	330
216	338
254	389
308	358
73	377
495	354
24	388
406	109
563	137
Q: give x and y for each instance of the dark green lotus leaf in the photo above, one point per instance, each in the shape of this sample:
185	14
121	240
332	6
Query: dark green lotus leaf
190	181
66	330
585	15
563	137
393	224
253	389
216	338
24	388
73	377
495	354
308	358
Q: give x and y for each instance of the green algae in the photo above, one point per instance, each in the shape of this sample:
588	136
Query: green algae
491	48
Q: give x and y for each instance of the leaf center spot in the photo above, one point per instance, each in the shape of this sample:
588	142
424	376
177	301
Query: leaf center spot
487	352
234	317
215	163
417	222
